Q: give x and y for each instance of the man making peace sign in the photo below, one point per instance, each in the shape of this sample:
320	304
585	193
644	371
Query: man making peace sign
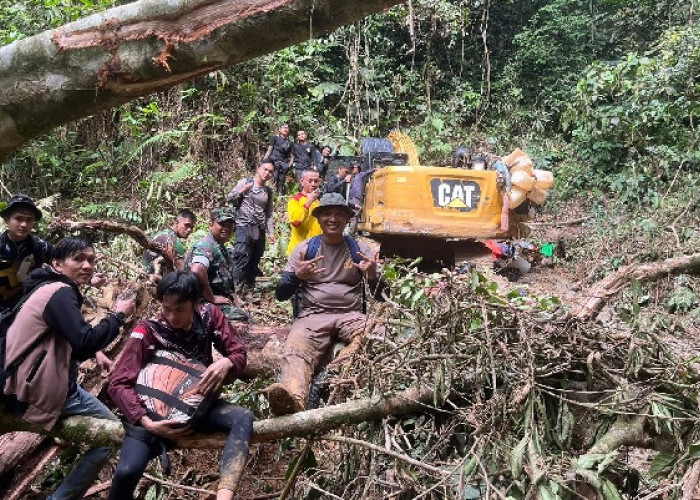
328	271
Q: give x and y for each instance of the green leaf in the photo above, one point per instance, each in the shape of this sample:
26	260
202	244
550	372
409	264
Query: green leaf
662	463
470	466
565	426
693	451
588	461
609	491
546	493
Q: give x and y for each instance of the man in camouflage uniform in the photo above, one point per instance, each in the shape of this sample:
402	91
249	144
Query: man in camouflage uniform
210	260
20	250
172	241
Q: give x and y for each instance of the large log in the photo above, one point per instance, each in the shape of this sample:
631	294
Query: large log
15	446
136	49
264	347
613	283
307	423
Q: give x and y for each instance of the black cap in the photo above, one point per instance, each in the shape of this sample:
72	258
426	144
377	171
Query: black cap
18	201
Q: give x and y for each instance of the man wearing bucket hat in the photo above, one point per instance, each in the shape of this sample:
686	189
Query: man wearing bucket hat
210	260
20	250
328	272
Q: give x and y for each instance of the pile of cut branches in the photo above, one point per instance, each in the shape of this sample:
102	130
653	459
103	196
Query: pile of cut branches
529	402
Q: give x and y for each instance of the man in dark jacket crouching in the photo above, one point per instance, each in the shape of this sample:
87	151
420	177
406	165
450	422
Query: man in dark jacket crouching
48	338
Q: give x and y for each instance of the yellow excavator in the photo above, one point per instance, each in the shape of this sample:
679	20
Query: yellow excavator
438	213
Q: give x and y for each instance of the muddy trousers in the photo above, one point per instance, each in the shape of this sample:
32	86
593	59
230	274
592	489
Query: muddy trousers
308	342
223	417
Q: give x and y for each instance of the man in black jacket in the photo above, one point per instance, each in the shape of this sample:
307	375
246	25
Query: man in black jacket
20	251
279	153
339	183
304	155
44	386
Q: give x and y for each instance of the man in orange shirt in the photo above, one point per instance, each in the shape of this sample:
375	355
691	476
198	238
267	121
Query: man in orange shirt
299	208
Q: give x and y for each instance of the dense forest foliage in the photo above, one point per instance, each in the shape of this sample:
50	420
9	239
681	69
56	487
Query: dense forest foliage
603	92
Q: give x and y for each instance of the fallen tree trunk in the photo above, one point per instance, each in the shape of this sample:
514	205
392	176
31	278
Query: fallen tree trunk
58	225
41	460
139	48
264	347
613	283
105	432
15	446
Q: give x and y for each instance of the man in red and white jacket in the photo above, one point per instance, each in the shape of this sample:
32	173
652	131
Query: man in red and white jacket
188	327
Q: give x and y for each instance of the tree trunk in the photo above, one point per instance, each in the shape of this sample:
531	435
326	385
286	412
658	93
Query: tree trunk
613	283
15	446
136	49
105	432
264	347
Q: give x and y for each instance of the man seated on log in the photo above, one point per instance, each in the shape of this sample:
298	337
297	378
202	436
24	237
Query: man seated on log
253	199
330	282
210	260
299	208
172	241
46	340
187	327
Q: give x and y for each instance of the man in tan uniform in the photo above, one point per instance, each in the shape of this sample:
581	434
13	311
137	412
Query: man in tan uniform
330	284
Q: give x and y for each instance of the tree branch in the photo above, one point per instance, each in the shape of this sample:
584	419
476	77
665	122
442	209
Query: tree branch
58	225
613	283
95	431
142	47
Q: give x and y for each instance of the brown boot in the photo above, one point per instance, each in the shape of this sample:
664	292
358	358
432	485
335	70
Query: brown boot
282	402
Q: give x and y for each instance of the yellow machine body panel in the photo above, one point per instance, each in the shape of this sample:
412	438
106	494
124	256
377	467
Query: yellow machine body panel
433	202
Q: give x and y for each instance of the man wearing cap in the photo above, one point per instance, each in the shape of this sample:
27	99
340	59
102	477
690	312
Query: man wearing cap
20	250
299	208
254	220
210	260
330	283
